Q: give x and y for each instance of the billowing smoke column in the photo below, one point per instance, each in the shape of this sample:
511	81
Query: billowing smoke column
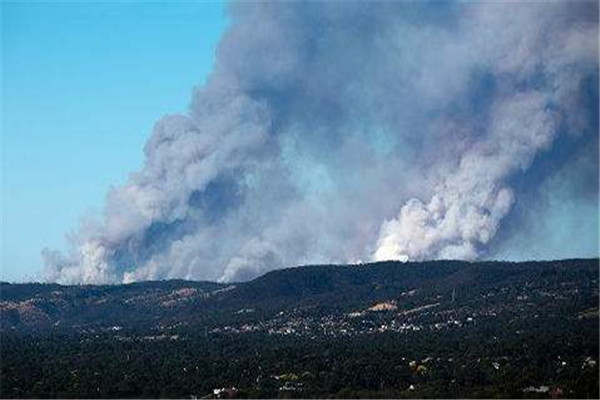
347	131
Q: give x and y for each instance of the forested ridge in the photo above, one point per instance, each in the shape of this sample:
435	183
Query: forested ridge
433	329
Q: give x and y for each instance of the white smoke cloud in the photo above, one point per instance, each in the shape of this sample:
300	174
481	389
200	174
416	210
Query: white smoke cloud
471	200
334	132
469	204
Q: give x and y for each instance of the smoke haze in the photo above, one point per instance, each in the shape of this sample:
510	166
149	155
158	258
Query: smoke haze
335	132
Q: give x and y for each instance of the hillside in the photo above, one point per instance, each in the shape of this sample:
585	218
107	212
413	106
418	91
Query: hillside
410	330
35	306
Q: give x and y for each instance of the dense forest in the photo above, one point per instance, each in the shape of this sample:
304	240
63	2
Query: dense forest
438	329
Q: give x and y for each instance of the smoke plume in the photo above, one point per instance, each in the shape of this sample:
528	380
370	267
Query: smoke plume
348	131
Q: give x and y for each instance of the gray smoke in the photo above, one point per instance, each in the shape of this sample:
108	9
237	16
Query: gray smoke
349	131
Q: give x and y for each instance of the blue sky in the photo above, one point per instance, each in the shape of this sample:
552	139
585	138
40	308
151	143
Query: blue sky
82	84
